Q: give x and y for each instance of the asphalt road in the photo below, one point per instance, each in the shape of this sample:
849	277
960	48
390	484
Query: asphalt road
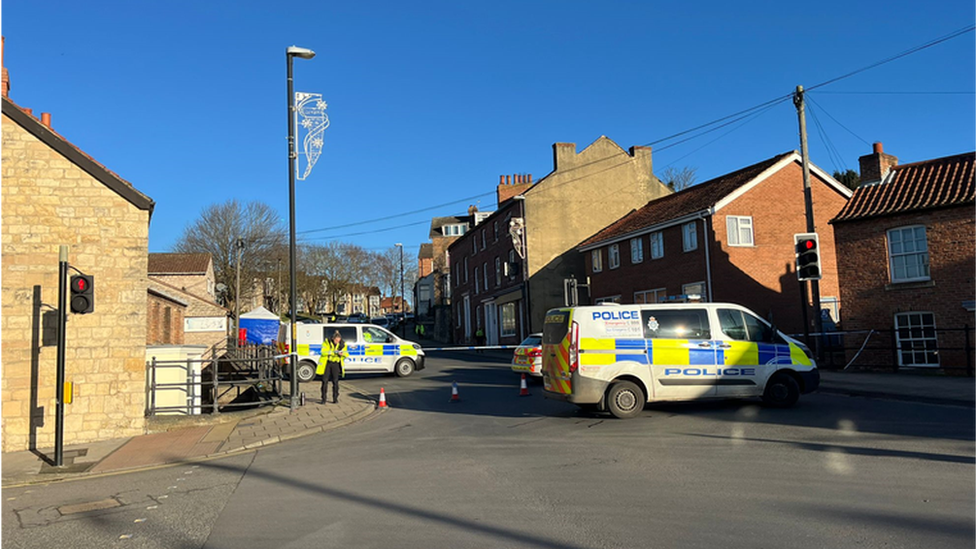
500	470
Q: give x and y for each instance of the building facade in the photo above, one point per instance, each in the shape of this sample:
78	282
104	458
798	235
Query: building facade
906	249
730	239
53	194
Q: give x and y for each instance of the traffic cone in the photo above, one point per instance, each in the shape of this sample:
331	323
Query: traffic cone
524	391
454	393
382	398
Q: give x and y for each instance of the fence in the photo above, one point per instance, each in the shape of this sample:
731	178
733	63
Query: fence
948	349
227	376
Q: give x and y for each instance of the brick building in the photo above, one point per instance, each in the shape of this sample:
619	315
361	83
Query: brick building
54	194
188	279
535	231
729	239
906	250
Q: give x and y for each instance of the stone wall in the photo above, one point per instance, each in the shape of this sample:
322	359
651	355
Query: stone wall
48	201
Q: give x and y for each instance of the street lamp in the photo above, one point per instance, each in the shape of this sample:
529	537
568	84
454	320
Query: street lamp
403	315
291	52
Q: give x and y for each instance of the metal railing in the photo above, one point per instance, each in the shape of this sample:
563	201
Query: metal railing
225	377
879	349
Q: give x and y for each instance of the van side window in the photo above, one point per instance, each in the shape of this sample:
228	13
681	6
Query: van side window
732	324
375	335
348	334
745	327
675	324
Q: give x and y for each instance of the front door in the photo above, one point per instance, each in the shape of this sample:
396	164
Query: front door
491	328
467	319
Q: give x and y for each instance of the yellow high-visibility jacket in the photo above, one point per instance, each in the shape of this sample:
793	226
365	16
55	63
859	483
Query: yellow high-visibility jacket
332	353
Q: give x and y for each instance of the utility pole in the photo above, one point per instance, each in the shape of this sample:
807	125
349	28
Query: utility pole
237	292
808	202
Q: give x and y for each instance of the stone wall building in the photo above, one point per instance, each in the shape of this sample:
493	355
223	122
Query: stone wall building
54	194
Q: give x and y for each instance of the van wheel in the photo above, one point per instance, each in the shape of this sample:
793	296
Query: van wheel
625	399
306	370
404	367
782	391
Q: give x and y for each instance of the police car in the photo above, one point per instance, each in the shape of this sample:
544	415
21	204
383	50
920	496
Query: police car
616	358
527	358
371	349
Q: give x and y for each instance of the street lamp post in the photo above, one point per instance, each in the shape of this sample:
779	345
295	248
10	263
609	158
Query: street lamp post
403	315
291	52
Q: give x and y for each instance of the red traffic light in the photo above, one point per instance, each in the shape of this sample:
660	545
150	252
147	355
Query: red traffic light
82	298
808	244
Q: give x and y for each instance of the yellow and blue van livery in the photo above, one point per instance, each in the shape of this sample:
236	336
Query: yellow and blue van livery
371	349
618	357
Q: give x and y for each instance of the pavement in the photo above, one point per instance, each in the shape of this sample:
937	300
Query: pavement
174	440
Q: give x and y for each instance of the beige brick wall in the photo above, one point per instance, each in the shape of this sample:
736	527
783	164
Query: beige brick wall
48	201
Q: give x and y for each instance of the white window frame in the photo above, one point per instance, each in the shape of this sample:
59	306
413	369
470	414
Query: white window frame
916	334
657	245
484	274
735	225
596	261
658	294
636	249
613	256
915	259
689	236
477	290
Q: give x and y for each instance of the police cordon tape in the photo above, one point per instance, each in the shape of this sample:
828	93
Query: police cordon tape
482	348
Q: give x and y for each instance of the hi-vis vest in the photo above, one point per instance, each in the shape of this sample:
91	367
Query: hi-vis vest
332	353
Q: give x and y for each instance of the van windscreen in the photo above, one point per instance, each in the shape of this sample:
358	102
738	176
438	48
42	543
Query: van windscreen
555	328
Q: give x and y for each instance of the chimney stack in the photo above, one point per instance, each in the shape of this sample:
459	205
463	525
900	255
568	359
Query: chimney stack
875	166
46	119
563	155
6	76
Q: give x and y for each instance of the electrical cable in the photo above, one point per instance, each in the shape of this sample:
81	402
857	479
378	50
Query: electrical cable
837	121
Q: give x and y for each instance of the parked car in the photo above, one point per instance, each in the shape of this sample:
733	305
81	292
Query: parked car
381	321
372	349
357	318
528	356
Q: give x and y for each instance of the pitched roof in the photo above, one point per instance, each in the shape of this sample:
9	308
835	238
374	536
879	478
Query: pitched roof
426	250
437	223
78	157
178	263
689	201
923	185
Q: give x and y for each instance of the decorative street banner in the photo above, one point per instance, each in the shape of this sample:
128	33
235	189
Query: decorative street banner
311	121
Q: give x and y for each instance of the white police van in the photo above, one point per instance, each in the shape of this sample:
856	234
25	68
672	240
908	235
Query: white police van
372	349
618	357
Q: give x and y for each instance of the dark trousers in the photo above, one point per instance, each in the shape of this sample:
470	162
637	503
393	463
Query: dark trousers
332	372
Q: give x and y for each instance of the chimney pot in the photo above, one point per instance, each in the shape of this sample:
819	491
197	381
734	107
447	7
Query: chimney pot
501	179
46	119
29	111
878	148
530	179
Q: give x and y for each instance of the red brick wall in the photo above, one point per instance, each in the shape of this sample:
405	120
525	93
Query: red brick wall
761	277
871	300
165	325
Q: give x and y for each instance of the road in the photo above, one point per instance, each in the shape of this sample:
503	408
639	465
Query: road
500	470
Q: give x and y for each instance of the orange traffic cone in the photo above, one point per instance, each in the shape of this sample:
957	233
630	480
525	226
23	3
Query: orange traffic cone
382	398
454	393
524	391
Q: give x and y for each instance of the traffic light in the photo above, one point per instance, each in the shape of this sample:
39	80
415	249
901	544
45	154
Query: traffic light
807	256
82	294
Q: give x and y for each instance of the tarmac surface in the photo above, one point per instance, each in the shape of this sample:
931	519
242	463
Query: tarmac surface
173	440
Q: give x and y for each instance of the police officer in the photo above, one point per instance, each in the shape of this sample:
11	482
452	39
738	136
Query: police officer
334	354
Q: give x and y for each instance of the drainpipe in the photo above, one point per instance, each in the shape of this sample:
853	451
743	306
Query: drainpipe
707	243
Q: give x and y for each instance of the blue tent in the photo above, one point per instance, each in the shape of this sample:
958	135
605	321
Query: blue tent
261	325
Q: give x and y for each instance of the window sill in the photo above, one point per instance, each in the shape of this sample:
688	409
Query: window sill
915	285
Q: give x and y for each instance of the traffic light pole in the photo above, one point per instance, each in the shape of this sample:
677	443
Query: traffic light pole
808	202
62	324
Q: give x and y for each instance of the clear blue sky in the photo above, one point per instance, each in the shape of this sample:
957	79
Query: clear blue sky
431	101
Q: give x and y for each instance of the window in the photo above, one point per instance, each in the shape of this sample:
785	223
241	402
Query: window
483	244
484	271
675	324
374	335
508	319
465	269
636	250
453	230
740	230
657	245
695	288
650	296
744	327
474	244
908	254
477	317
597	259
476	286
608	299
496	231
689	236
916	340
498	271
511	263
613	254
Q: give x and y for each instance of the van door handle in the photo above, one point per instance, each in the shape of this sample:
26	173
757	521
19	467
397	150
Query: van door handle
705	345
724	346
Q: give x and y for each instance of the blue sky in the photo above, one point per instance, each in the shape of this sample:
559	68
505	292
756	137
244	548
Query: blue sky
431	101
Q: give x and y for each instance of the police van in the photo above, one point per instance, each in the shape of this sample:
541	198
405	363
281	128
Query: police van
372	349
618	357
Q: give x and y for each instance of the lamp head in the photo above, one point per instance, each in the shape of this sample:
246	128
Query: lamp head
304	53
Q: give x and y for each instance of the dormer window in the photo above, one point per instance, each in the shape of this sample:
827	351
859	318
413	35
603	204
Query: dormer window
456	229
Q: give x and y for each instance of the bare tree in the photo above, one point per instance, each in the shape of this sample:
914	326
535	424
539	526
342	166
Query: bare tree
217	232
678	180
